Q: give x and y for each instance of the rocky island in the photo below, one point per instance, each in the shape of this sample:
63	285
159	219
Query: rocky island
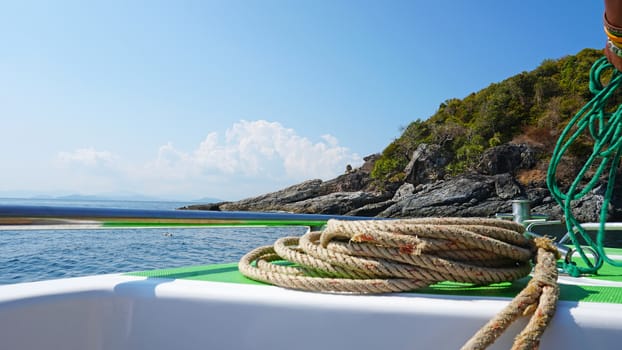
471	158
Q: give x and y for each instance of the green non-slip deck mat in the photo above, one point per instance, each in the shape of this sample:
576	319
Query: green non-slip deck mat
229	273
607	272
213	273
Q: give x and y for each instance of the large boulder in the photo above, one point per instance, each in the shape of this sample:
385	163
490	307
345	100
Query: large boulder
467	195
426	165
355	180
507	158
338	203
371	209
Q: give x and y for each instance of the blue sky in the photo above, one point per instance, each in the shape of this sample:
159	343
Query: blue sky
229	99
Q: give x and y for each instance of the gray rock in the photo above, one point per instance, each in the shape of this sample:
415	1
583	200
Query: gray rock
369	163
276	200
426	165
372	209
506	187
207	206
338	203
355	180
468	195
405	190
507	158
587	209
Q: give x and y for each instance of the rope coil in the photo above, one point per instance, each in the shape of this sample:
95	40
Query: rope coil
379	256
606	131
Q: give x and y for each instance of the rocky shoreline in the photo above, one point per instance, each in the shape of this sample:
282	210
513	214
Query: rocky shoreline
504	173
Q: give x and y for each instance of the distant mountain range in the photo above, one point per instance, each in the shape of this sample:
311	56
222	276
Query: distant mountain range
107	197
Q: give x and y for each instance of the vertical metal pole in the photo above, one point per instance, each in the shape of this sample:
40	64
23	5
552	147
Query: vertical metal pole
521	210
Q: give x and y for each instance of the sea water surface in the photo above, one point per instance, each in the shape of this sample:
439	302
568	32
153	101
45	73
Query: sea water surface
34	255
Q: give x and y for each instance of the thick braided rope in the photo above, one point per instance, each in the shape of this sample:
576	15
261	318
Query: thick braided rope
379	256
538	298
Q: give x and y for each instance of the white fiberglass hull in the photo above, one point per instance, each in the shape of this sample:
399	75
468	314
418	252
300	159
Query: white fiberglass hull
126	312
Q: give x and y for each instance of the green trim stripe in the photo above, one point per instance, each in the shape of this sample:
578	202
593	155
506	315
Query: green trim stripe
214	223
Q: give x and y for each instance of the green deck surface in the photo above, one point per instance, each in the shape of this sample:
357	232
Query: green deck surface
229	273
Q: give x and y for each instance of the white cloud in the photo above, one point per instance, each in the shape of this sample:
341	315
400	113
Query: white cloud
252	154
258	149
86	156
267	149
211	155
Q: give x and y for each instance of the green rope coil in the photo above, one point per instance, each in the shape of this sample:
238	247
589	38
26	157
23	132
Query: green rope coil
606	130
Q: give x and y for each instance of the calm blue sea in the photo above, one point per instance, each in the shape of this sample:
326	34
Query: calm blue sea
27	255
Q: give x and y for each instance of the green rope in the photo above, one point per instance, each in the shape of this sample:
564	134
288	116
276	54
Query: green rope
606	130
